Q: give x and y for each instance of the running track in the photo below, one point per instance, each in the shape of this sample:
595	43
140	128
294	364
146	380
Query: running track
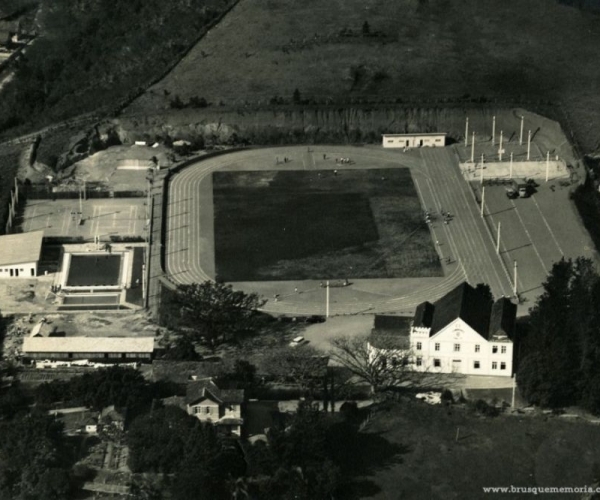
466	239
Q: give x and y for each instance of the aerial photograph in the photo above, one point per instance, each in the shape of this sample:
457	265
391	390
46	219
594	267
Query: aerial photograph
299	249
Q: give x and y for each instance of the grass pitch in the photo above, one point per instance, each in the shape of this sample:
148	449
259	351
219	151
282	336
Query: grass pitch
295	225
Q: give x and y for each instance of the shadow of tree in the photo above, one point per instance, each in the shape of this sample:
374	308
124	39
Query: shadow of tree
360	454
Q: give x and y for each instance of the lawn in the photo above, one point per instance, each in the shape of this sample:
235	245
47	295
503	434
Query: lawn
508	450
94	270
294	225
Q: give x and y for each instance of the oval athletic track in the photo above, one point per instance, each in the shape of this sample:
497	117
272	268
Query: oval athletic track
439	184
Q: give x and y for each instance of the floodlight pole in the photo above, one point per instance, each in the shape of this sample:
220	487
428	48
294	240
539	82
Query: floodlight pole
547	164
528	144
514	387
467	132
482	199
500	148
327	300
515	279
493	130
511	165
481	178
521	133
498	239
473	148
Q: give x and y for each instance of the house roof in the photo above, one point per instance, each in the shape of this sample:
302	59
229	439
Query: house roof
88	344
20	248
390	332
486	317
206	388
466	303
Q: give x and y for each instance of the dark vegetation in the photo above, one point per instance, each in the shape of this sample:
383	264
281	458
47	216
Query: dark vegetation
560	354
310	455
294	225
91	59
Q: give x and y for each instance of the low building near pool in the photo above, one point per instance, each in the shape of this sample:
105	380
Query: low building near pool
420	140
107	349
20	254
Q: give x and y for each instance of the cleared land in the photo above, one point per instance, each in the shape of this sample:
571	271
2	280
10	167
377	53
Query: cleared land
419	456
320	224
103	217
414	50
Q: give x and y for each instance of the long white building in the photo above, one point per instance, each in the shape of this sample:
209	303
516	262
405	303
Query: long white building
407	141
463	332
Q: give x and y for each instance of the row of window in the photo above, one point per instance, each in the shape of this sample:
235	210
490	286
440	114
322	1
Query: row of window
437	363
457	348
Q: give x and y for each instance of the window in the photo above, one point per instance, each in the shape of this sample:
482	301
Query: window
503	366
437	363
503	349
437	347
419	361
207	409
390	141
494	365
477	348
476	365
456	347
494	349
419	346
197	410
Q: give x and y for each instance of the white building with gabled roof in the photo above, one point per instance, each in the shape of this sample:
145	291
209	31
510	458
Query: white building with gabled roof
463	332
20	254
418	140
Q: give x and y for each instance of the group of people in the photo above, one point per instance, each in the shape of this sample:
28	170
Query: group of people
342	160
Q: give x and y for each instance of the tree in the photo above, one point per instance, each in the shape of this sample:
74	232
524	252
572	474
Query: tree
484	290
181	349
384	367
303	365
214	313
296	98
366	29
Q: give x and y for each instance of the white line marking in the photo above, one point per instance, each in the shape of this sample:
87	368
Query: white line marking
548	226
529	236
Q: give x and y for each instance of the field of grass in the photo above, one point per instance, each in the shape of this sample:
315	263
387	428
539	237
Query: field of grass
415	50
294	225
508	450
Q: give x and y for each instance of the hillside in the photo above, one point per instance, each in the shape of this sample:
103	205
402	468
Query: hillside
92	55
418	51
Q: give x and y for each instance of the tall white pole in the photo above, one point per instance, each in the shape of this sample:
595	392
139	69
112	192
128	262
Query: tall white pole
80	205
473	148
521	133
511	162
528	144
515	280
482	199
514	387
482	159
327	301
500	148
493	130
547	164
498	239
467	132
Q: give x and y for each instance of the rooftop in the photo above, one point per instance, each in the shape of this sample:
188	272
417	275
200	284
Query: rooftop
391	332
88	344
206	388
20	248
416	133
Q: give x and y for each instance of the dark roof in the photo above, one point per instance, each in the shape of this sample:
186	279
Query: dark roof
466	303
424	314
486	317
391	332
504	318
206	388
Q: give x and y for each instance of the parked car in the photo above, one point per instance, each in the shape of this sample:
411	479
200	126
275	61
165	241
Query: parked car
298	341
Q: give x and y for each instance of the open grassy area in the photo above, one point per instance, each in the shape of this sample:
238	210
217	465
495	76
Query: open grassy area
414	51
508	450
292	225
